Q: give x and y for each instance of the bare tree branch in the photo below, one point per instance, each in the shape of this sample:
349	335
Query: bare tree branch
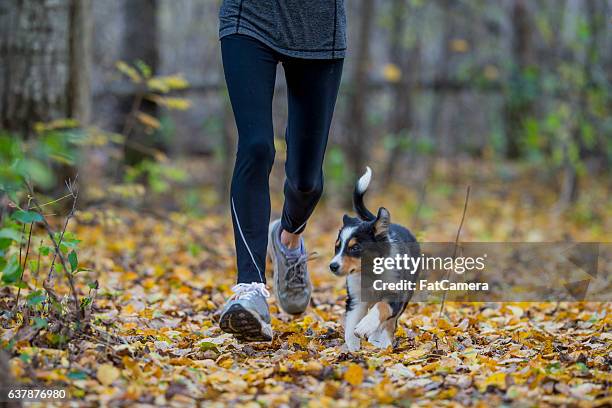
467	197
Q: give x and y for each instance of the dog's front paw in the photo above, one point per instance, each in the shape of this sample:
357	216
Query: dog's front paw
380	339
367	326
352	344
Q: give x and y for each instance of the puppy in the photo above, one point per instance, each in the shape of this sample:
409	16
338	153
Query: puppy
375	321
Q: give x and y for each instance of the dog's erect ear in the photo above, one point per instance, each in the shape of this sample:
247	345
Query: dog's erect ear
382	222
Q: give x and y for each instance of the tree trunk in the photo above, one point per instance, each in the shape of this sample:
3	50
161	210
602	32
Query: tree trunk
519	106
357	115
81	28
35	69
570	188
401	114
45	53
140	42
45	49
443	75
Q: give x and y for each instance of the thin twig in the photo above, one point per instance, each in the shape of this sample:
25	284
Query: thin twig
56	200
131	118
21	241
139	147
50	292
26	254
58	253
74	194
23	267
23	232
415	216
467	197
37	265
429	164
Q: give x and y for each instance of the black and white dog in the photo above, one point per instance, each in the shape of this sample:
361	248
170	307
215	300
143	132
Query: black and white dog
376	320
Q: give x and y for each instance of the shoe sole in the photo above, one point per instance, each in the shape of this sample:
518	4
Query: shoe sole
244	325
275	269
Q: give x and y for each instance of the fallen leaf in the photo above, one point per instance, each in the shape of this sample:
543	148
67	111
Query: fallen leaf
107	373
497	380
354	374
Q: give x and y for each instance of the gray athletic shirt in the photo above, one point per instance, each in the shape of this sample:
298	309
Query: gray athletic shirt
299	28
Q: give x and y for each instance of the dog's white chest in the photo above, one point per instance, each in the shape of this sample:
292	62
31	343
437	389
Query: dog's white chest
353	286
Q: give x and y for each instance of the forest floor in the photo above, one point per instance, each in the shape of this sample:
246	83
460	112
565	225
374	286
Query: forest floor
163	278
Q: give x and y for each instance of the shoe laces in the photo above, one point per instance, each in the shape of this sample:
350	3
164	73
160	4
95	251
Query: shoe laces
296	270
248	290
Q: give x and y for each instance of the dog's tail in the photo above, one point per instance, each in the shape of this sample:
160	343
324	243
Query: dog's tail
360	189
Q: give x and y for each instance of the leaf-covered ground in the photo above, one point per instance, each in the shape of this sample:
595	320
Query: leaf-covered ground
163	279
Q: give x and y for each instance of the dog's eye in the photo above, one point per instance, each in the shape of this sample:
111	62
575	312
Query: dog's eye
355	248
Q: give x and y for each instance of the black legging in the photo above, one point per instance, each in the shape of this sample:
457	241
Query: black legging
312	87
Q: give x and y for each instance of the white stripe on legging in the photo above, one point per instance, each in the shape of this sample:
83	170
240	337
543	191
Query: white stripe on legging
244	239
300	227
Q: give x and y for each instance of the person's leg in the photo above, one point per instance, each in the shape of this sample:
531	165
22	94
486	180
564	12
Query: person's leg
250	73
312	88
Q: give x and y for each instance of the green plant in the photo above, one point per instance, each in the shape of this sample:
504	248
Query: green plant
35	258
56	143
158	175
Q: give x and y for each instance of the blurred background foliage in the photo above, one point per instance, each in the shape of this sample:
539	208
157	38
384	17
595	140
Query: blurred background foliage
127	98
512	98
130	95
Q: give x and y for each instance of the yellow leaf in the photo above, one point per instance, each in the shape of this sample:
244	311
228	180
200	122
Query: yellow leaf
392	73
447	394
50	375
178	103
183	273
416	353
459	45
16	367
382	390
185	290
498	380
487	361
132	366
181	361
128	310
296	338
491	72
129	276
129	326
331	389
354	375
313	366
444	324
107	373
431	366
171	103
148	283
226	363
41	127
148	120
128	71
167	83
176	82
